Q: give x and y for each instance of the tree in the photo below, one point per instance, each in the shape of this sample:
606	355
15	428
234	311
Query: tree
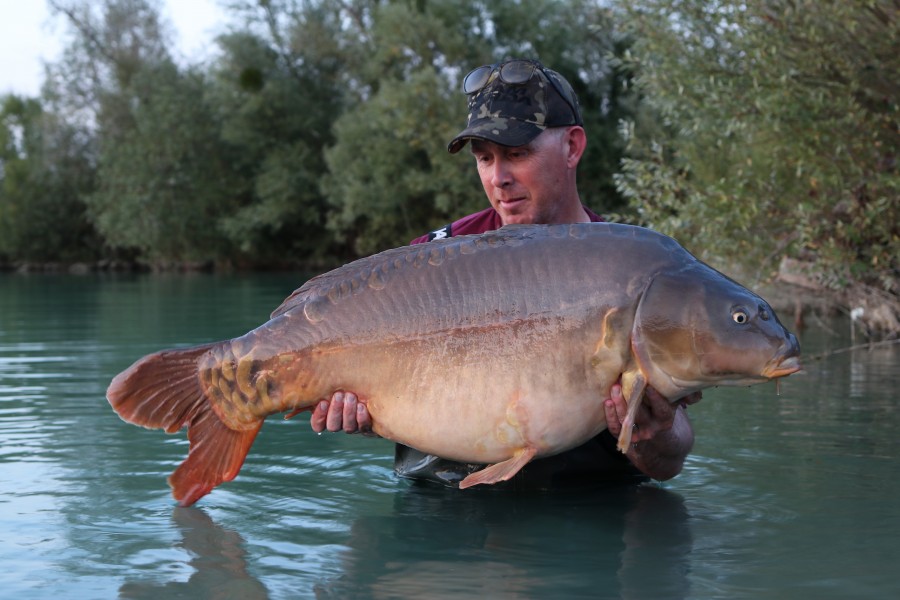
166	184
43	173
110	42
277	113
779	134
397	179
162	180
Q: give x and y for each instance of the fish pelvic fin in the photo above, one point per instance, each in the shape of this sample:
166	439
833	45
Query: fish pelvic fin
500	471
163	391
633	386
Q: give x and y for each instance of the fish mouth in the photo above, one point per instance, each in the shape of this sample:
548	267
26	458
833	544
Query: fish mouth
782	368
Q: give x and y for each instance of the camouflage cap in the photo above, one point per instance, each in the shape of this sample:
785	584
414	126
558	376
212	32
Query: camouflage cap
515	114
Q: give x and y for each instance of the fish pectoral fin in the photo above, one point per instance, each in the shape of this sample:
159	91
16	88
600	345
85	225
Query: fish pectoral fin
633	386
500	471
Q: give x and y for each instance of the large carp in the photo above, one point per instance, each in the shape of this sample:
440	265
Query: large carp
494	348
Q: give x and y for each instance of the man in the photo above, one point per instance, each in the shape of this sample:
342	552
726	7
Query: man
527	137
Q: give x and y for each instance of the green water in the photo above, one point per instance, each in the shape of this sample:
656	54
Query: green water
790	496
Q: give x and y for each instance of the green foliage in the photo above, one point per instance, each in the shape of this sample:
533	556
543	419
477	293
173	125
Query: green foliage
110	43
390	176
317	133
276	117
42	172
164	183
778	132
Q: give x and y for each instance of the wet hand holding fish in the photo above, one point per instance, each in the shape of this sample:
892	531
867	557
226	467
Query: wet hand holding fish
496	348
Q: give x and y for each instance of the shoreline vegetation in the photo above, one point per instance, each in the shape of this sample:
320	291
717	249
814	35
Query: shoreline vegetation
761	136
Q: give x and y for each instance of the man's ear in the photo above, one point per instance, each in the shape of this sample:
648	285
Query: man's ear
576	142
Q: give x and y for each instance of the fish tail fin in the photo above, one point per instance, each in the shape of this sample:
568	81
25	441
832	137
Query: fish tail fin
163	391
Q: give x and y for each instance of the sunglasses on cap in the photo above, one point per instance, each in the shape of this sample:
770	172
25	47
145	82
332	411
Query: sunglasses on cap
515	72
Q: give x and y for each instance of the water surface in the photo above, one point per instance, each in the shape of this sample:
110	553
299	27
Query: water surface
790	496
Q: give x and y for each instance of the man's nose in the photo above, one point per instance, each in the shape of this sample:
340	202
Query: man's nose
501	177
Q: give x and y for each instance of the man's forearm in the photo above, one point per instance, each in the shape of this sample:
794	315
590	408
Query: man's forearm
662	457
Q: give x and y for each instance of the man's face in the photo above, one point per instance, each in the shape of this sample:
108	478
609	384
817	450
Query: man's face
526	184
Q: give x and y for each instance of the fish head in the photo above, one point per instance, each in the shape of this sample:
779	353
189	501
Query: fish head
697	328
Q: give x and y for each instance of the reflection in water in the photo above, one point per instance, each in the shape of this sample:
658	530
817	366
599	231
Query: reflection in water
859	373
622	542
628	542
219	562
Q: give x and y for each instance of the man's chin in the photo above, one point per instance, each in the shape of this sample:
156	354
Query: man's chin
516	217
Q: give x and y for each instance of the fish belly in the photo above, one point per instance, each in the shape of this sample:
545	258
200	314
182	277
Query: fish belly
477	395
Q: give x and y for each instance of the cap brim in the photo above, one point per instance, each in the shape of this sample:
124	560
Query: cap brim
506	132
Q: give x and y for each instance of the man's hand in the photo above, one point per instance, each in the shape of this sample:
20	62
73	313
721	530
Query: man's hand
656	414
344	412
662	426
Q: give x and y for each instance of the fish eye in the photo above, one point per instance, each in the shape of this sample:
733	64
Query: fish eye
740	317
